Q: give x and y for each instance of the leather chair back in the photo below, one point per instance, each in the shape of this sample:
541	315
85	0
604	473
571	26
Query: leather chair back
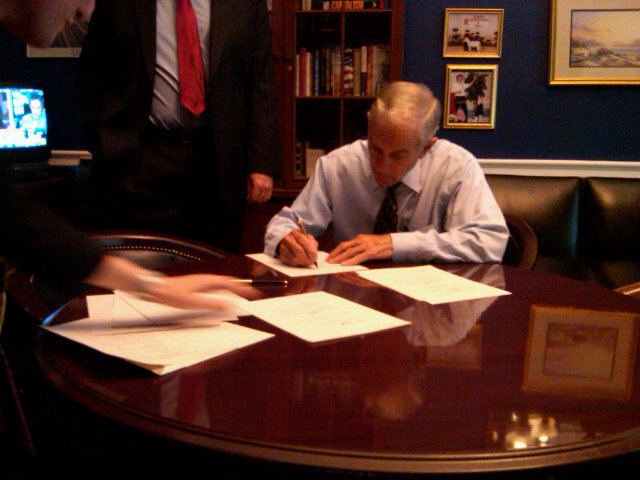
550	205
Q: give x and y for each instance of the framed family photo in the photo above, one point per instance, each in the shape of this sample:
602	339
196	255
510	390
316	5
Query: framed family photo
594	42
470	96
472	32
586	353
67	44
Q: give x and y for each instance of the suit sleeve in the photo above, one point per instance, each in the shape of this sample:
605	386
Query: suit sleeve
264	132
43	242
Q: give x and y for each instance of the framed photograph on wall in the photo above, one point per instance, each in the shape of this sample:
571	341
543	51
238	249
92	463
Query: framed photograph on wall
586	353
594	42
470	96
67	44
472	32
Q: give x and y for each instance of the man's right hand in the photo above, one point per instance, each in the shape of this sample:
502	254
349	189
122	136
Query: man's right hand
298	249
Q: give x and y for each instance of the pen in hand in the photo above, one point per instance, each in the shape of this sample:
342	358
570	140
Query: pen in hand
304	231
262	281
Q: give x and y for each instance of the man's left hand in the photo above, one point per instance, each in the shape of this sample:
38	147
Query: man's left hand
259	188
362	248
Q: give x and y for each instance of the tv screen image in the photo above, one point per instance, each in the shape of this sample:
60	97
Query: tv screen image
24	118
24	147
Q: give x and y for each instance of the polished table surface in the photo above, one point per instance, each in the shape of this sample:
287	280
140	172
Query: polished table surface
545	376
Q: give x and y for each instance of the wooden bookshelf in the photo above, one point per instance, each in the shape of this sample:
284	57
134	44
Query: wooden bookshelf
332	57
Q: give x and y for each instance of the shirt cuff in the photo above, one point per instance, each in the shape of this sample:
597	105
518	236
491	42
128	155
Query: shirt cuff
405	246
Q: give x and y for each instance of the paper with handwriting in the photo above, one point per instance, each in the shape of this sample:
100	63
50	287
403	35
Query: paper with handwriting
321	316
430	284
323	268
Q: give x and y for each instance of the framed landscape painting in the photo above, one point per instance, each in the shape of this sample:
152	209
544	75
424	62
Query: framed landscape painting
594	42
586	353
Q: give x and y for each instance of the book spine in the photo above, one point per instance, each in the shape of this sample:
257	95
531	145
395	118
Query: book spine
357	68
303	72
316	73
347	72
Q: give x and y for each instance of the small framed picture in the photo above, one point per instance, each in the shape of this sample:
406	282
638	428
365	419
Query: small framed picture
594	42
586	353
472	32
67	44
470	96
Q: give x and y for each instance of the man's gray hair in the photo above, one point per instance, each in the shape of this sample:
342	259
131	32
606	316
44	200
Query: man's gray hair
412	104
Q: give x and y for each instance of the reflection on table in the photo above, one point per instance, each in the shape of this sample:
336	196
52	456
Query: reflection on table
471	386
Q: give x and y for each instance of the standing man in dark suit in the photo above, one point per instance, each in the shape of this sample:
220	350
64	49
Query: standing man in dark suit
158	164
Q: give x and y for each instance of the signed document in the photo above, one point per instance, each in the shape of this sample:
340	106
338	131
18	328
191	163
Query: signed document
324	267
320	316
430	284
161	345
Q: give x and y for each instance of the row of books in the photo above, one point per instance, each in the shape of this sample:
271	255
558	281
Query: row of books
362	72
306	159
344	4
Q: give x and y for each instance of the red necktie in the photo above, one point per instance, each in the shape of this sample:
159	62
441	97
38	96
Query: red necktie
190	66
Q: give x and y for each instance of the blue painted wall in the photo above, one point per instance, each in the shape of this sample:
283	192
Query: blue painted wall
533	119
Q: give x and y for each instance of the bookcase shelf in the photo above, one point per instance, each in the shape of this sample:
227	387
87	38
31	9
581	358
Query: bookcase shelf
332	57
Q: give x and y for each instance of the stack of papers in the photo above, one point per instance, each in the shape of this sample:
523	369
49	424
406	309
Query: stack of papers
157	337
163	339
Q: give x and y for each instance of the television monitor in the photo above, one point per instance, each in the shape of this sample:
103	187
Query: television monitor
24	142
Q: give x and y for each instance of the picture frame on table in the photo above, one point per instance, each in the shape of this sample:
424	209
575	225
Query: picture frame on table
594	43
472	32
67	44
470	96
586	353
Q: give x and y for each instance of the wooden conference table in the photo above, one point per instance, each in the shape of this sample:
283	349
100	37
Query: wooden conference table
543	377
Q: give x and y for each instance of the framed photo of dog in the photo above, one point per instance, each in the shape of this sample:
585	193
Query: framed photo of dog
470	96
472	32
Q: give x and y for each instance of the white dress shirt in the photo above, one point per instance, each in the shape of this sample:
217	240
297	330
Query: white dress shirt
446	210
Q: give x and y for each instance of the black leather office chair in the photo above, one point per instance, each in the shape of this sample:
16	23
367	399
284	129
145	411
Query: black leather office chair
522	247
157	251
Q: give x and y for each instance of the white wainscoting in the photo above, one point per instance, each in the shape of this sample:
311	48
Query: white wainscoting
517	166
562	168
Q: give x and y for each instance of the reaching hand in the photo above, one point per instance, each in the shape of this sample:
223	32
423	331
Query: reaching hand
182	291
186	291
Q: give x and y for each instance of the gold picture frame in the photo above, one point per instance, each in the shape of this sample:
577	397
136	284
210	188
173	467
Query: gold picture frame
585	353
594	43
472	32
470	96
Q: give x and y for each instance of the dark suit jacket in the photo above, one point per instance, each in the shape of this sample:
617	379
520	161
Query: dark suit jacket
40	241
117	71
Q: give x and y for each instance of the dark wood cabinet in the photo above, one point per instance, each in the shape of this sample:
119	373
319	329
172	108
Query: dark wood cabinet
331	57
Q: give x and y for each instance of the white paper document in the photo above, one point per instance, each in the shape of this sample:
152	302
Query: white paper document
320	316
430	284
115	328
323	268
